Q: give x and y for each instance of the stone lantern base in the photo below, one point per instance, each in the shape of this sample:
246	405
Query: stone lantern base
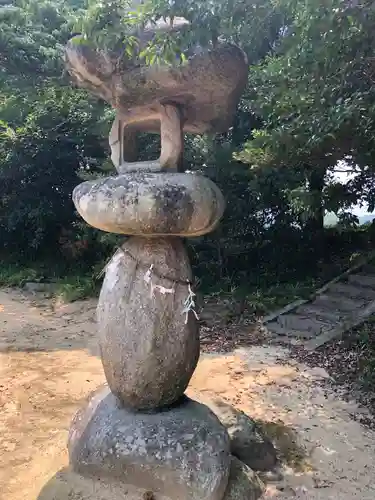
243	484
182	452
140	436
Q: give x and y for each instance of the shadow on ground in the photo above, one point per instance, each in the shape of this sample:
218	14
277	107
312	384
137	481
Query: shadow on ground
65	484
285	440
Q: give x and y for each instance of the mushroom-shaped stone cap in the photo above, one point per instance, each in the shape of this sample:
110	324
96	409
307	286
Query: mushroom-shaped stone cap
206	88
151	204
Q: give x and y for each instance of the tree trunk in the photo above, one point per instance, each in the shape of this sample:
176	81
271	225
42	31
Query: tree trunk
315	224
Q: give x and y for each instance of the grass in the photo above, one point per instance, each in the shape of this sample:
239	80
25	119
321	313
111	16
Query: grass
260	289
279	295
76	288
68	287
12	275
76	285
265	293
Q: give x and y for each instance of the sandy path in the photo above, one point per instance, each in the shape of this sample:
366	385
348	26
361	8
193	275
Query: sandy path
49	363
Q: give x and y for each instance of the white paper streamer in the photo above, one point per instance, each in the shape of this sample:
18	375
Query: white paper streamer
161	289
189	305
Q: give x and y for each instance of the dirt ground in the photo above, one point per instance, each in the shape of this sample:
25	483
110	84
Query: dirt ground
49	363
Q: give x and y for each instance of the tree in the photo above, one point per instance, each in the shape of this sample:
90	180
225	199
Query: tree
315	96
309	103
255	27
50	133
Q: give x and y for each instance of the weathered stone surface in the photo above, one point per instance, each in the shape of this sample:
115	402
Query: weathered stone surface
182	452
124	150
149	351
206	89
248	443
151	204
308	327
243	483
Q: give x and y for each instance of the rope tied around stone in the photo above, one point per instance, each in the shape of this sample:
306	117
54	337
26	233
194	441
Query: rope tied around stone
189	303
148	279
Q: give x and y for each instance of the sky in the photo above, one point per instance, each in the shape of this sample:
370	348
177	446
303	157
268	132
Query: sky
344	178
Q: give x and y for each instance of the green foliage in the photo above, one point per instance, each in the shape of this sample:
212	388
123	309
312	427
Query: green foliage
114	25
309	103
12	275
32	36
76	288
66	288
40	162
49	132
315	95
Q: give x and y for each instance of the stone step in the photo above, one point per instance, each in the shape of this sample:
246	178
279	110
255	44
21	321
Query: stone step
366	281
303	324
324	315
328	312
352	291
289	341
338	303
276	329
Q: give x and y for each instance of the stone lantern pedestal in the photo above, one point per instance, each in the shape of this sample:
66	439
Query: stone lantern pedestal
141	431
